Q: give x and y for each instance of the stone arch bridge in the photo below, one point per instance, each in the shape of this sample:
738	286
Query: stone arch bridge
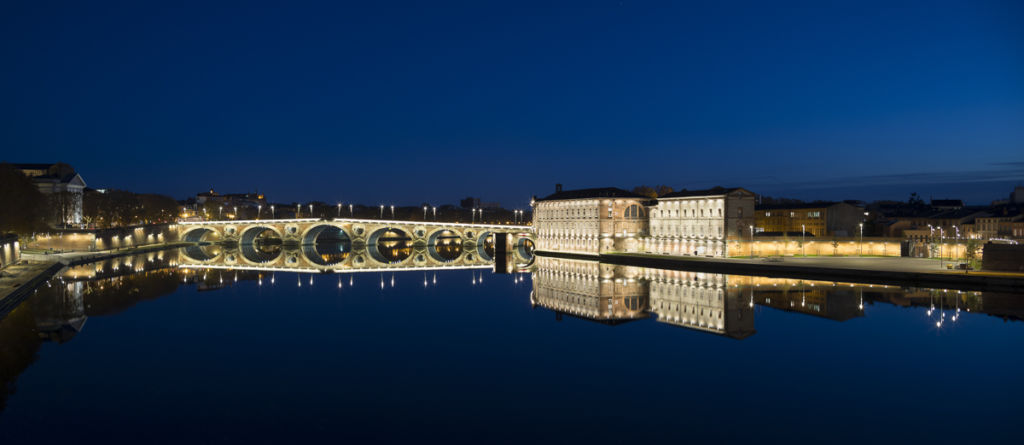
299	243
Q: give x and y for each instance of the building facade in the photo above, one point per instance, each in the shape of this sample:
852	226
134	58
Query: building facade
593	221
816	219
698	222
62	186
590	220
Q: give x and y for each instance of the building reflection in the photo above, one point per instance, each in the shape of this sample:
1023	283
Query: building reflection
725	304
613	294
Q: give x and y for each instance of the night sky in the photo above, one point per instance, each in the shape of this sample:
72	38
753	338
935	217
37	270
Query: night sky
433	101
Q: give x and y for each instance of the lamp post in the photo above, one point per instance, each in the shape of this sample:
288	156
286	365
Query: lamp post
382	211
351	213
424	218
236	212
339	210
473	217
392	212
311	210
803	237
220	212
259	208
751	242
435	212
860	249
941	241
272	212
298	210
957	229
481	215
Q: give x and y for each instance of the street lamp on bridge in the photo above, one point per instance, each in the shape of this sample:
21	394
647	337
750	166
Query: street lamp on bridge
424	218
272	216
259	208
351	213
339	210
382	211
435	213
392	212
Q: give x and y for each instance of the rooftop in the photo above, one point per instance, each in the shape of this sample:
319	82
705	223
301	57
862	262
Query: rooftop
605	192
706	192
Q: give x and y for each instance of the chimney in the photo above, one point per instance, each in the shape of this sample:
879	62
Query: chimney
558	188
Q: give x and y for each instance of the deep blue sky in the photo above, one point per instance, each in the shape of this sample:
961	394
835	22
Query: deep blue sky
433	101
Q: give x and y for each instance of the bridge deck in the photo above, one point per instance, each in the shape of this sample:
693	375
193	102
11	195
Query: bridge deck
356	220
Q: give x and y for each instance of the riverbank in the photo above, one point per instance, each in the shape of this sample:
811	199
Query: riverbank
19	280
908	272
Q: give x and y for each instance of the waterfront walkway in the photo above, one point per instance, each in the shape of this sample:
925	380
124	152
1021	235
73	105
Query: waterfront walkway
19	280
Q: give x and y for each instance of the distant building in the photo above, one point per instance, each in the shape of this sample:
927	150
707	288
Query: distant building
1017	195
947	204
999	222
817	219
62	185
245	200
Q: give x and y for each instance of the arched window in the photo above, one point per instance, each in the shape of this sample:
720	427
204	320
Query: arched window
631	212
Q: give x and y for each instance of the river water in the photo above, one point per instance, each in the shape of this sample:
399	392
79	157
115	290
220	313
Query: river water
141	350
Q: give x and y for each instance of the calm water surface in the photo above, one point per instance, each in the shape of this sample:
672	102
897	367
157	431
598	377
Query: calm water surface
137	350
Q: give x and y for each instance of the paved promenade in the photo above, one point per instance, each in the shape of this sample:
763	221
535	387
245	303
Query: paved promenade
18	281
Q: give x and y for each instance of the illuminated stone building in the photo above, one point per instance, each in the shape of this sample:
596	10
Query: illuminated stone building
62	185
817	219
699	222
590	220
593	221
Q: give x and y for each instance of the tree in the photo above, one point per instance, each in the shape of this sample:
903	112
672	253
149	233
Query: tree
645	191
23	208
915	201
835	246
971	252
663	190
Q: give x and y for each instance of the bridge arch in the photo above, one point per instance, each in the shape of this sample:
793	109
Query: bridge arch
250	234
445	245
485	245
525	248
201	235
325	233
202	254
396	244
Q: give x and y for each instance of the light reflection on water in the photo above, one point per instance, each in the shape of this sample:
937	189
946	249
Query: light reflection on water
362	348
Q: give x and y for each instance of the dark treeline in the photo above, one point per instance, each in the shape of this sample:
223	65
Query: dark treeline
116	208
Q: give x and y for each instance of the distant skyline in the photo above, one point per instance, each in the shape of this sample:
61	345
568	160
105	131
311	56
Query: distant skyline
407	102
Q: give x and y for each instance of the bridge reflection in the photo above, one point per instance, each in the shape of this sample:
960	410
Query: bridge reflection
335	258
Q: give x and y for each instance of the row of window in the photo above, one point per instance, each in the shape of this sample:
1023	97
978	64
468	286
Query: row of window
814	214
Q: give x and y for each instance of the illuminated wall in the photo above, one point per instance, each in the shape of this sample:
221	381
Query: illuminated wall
10	251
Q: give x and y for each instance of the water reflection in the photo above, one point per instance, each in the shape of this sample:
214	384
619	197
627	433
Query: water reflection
724	304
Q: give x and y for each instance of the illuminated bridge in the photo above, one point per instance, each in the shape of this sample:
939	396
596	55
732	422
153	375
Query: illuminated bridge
338	245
